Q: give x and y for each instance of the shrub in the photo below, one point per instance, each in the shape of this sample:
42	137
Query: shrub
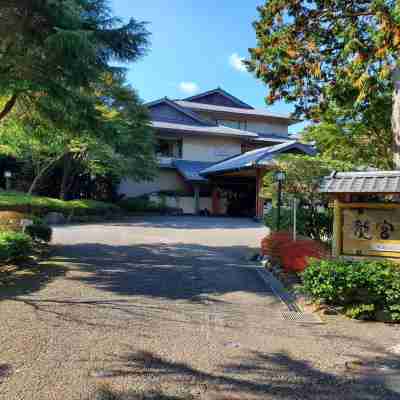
312	224
40	232
364	288
271	244
40	206
14	245
296	255
293	255
142	204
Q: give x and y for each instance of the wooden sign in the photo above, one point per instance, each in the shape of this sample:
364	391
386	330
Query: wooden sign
370	229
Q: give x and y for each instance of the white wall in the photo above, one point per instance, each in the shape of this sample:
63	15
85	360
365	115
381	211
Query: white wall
267	128
187	203
166	180
209	148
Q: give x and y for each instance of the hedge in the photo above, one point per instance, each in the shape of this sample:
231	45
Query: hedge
365	289
40	206
14	246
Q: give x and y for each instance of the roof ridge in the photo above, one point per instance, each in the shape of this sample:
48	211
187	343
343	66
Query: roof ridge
260	112
223	93
174	104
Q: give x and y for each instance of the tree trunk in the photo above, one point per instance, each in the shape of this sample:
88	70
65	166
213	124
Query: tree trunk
42	173
396	126
8	107
67	168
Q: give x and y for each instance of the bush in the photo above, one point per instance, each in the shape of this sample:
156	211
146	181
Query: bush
40	206
14	245
296	255
40	232
366	289
292	255
140	204
312	224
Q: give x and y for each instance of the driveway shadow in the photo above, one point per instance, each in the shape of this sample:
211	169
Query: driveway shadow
27	278
259	376
176	272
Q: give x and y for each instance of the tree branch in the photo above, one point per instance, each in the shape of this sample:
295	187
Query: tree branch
9	106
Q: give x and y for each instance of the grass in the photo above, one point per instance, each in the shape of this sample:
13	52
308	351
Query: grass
21	202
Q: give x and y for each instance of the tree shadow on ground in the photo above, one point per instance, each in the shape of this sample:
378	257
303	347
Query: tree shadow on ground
171	271
106	393
261	375
27	277
5	370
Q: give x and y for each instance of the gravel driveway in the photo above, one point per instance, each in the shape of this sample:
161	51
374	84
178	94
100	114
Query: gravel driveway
170	305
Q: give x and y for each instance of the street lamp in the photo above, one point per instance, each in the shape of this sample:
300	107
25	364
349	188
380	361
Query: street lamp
279	177
8	176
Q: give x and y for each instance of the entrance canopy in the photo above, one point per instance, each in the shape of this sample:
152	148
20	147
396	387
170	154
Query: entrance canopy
255	159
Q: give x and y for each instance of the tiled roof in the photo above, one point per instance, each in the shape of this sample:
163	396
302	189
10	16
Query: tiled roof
183	110
223	93
190	169
217	130
233	110
274	138
362	182
254	158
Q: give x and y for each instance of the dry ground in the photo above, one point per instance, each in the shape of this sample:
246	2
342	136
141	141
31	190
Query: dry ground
170	305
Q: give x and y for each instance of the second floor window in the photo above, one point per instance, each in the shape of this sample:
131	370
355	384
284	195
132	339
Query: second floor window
233	124
169	148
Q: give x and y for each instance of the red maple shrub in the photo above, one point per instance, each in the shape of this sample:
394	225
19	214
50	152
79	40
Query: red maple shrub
295	255
292	255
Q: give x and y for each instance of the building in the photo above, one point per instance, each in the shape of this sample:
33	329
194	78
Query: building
212	150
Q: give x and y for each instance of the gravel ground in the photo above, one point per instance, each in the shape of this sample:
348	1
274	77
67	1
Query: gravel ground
171	305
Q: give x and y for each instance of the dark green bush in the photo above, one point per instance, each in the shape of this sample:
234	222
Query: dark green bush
40	232
14	245
40	206
140	204
364	288
312	224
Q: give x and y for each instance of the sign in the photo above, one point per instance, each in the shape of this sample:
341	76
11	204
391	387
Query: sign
371	230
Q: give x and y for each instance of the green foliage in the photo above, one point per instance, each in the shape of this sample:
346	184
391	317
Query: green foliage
40	206
39	232
63	98
361	311
310	51
52	50
362	137
140	204
333	60
312	223
304	175
120	145
363	288
14	245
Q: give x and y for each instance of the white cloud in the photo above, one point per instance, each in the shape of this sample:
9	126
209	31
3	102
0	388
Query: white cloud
236	62
189	87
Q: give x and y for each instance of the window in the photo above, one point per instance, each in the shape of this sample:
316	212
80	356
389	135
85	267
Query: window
169	148
233	124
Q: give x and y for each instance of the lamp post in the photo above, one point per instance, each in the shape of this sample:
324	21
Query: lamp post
8	176
279	177
396	117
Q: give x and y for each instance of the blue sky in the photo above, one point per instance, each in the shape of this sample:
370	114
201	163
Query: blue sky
196	46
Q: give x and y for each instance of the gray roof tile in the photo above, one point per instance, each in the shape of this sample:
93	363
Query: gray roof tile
190	170
259	157
210	130
233	110
362	182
